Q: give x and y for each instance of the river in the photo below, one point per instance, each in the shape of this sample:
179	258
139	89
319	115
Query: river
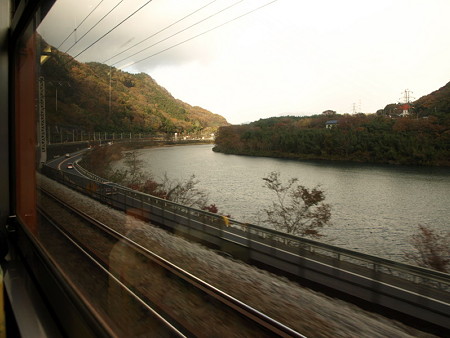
375	208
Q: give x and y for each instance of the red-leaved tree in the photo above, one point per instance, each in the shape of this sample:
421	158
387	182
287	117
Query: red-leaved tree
432	250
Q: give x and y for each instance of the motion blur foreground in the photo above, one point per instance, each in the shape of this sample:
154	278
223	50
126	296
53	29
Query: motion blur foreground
25	276
39	298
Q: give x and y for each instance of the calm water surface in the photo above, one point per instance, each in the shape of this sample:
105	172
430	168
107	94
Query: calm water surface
375	209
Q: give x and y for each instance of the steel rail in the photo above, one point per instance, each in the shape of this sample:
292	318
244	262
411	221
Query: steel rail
95	261
409	273
258	234
234	304
423	294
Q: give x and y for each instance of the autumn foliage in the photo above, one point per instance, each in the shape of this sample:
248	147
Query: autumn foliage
431	249
133	175
359	137
96	97
421	138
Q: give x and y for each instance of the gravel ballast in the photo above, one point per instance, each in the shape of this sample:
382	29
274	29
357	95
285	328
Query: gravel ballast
308	312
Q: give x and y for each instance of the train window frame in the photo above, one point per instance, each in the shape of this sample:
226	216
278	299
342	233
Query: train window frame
67	309
38	298
5	9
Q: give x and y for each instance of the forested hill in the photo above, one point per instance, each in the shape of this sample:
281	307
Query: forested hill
422	139
78	96
437	103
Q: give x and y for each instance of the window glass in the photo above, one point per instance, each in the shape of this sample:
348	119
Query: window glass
123	219
25	121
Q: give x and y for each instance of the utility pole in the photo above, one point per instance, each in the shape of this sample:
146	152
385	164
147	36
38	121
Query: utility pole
110	71
42	132
42	123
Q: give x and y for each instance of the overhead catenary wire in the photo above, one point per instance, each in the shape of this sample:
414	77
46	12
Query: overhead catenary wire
120	23
160	31
181	31
76	28
96	24
198	35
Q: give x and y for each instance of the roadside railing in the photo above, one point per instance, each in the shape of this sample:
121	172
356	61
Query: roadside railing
269	237
88	173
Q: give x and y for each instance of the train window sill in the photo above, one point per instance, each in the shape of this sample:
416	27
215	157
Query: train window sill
28	309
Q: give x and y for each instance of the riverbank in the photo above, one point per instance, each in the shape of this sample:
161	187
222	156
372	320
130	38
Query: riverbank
362	139
309	312
357	158
159	143
375	208
100	158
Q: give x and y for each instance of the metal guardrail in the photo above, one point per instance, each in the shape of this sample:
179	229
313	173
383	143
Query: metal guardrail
88	173
291	243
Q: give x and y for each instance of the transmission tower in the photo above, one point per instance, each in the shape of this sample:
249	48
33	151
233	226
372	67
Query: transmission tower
357	108
405	102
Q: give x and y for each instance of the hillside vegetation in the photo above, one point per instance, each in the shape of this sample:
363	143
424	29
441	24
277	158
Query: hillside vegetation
435	104
96	97
422	138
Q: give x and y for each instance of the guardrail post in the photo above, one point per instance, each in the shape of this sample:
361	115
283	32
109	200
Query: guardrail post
124	202
142	205
254	233
189	217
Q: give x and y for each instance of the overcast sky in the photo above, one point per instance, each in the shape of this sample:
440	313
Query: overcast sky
290	57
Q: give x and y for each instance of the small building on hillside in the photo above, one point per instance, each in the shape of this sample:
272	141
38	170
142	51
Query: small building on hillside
331	124
406	107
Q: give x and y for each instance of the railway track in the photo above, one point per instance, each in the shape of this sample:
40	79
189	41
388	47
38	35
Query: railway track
159	292
417	296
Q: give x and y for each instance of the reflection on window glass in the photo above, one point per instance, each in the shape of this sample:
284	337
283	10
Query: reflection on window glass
146	234
25	121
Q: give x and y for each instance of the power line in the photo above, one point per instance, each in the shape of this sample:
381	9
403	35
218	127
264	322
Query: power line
160	31
68	36
113	28
184	29
94	26
198	35
407	96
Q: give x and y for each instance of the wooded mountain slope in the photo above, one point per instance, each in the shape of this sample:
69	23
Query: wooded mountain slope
422	138
436	104
96	97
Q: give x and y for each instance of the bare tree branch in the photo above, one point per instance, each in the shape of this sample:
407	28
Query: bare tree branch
297	210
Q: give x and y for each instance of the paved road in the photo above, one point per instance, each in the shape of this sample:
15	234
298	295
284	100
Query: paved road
62	162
